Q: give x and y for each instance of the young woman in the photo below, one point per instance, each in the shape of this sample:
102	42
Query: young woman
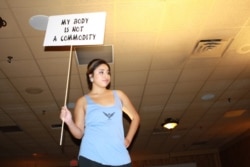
98	121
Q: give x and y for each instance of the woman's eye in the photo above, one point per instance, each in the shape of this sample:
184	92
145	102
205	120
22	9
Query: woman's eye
102	72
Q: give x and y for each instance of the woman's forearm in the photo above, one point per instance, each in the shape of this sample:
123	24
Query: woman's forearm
75	130
133	128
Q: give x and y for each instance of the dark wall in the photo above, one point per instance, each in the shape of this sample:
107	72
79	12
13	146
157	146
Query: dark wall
237	154
201	160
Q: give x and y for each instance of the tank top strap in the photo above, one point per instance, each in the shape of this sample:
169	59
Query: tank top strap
88	99
117	99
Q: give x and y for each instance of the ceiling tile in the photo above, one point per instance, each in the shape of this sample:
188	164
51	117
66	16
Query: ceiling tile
21	68
130	78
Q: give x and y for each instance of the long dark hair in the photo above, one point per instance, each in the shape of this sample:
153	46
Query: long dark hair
93	64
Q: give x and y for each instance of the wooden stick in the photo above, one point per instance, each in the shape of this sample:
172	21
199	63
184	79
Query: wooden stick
66	91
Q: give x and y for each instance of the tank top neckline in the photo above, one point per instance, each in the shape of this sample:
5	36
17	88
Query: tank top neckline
111	105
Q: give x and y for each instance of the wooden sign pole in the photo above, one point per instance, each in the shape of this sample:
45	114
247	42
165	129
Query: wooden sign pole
67	90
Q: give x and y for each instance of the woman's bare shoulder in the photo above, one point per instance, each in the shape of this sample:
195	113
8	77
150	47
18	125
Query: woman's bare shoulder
81	101
120	92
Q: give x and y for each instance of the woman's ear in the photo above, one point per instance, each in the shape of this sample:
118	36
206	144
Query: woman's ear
91	78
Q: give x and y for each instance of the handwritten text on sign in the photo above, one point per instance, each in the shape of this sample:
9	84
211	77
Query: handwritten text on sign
75	29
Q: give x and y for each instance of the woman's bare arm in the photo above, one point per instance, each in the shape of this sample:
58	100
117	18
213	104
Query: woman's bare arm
129	109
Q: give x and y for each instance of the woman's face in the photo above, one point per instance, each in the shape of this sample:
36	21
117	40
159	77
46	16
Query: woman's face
101	76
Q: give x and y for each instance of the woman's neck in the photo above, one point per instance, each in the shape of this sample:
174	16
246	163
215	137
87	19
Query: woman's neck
98	91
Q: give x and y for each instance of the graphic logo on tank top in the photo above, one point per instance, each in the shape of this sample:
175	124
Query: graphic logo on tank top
109	115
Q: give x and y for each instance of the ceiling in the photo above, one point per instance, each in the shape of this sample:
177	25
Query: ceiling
168	54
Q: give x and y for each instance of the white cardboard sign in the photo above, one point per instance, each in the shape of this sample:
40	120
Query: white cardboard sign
75	29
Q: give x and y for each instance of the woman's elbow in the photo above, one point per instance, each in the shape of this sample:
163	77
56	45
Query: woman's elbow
78	136
136	118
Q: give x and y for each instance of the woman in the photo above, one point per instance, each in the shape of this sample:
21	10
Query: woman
98	121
